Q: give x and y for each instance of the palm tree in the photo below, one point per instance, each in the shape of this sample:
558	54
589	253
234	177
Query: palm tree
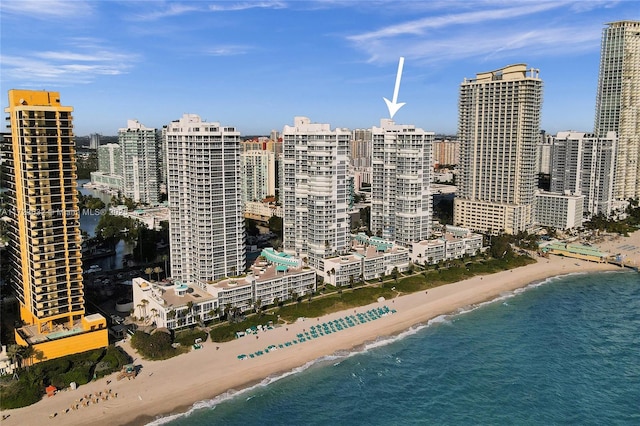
148	271
15	354
164	259
236	311
190	307
171	315
154	313
144	302
258	304
276	300
199	320
157	271
27	354
227	311
139	306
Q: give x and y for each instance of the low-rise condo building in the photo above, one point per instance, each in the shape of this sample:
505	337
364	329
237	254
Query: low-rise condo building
454	243
371	258
558	211
275	277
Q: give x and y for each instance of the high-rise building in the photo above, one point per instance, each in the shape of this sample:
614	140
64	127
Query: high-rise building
265	146
110	159
360	157
499	128
446	152
109	173
44	228
258	175
203	185
401	200
141	162
314	191
543	154
94	140
360	152
582	164
618	102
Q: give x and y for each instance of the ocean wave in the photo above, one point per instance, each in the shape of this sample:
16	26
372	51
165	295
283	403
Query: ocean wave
232	393
336	358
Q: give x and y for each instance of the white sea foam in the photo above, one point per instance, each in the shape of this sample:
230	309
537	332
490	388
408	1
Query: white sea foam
212	403
336	358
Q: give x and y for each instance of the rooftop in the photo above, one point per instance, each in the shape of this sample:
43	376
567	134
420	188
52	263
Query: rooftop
575	248
32	336
164	291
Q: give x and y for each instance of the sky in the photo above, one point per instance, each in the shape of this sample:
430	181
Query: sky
257	64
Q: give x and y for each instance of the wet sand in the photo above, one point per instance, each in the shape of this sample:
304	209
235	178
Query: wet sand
174	385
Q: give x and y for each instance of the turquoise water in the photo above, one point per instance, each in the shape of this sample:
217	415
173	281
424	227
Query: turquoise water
566	351
57	334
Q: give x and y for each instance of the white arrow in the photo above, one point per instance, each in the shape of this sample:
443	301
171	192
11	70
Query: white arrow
394	106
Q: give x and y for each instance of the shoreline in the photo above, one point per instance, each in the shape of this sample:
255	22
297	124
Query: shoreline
172	387
144	420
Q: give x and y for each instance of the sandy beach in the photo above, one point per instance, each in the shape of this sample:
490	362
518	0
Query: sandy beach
174	385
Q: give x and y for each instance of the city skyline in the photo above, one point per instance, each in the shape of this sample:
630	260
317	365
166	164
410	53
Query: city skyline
254	65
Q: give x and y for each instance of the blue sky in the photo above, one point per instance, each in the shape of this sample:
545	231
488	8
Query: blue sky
257	64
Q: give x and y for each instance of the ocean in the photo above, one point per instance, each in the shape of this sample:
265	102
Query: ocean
563	351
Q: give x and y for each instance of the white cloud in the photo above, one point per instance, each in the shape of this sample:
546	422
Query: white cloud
504	31
99	56
419	26
43	9
173	9
176	9
229	7
80	66
227	50
492	44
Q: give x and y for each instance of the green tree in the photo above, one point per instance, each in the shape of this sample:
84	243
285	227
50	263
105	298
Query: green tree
144	303
164	259
154	314
27	354
275	226
228	313
16	354
251	227
157	270
500	247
